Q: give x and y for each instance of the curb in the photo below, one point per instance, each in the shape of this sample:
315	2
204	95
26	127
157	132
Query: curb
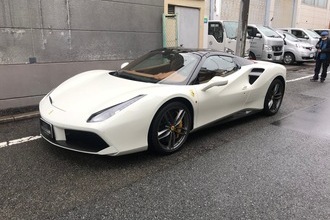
19	117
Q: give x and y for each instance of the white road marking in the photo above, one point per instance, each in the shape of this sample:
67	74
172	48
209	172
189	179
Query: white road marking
18	141
297	79
305	77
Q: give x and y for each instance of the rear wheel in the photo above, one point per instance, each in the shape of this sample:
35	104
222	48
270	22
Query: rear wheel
274	97
288	58
170	128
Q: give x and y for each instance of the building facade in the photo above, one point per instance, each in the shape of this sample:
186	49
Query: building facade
276	13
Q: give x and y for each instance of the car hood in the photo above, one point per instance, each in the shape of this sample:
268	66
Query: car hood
95	90
305	44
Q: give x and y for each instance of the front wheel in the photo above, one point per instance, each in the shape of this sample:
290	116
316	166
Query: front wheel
274	97
170	128
288	58
252	56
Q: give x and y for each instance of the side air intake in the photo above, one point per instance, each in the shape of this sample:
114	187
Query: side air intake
254	75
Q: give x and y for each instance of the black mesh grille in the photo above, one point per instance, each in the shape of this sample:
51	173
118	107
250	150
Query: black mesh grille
84	141
277	48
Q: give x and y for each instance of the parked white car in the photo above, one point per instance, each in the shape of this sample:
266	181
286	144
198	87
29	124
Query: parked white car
319	31
296	51
155	101
306	35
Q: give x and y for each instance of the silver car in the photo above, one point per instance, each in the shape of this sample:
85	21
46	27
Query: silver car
296	51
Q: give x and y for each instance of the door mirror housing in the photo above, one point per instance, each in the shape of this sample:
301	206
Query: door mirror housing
123	65
215	81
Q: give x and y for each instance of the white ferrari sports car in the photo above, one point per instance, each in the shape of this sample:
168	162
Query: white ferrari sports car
155	101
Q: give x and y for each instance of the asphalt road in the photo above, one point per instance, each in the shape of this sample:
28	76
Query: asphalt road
253	168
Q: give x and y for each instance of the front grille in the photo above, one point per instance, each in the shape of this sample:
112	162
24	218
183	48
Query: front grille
277	48
278	54
83	141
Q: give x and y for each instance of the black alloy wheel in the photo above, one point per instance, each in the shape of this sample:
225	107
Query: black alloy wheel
274	97
170	128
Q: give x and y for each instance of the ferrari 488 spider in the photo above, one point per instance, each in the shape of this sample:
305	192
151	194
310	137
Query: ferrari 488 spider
155	101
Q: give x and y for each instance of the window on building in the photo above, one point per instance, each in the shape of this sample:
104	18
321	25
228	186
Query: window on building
316	3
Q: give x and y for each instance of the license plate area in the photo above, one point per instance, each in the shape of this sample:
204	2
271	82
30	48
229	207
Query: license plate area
46	129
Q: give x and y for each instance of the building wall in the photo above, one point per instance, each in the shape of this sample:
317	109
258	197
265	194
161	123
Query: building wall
312	17
67	36
229	10
199	4
282	14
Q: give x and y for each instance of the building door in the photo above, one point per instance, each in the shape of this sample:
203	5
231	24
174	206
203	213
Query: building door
188	26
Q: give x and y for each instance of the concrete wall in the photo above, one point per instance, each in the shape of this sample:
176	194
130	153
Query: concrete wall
66	37
229	10
312	17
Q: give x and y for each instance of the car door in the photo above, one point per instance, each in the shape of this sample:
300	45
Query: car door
220	101
256	42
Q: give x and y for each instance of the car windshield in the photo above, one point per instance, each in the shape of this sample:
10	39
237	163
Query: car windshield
166	66
268	32
290	37
231	28
312	33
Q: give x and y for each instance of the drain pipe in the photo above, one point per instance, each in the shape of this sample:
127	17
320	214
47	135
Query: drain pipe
267	13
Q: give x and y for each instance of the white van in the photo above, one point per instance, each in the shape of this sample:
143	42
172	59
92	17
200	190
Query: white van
266	44
302	34
296	50
222	36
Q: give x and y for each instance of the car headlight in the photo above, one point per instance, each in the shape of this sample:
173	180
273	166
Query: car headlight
228	50
268	48
108	112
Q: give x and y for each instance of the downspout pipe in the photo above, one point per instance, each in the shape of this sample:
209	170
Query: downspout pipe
267	13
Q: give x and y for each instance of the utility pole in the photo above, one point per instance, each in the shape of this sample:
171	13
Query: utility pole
242	27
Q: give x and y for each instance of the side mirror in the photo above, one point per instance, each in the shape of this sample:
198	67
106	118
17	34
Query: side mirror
258	35
306	37
123	65
215	81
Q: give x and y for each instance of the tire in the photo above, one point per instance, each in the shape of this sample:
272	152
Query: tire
252	56
289	58
274	97
170	128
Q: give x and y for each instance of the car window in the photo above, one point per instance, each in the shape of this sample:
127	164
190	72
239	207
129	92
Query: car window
216	30
154	60
216	66
298	33
312	33
167	66
231	28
